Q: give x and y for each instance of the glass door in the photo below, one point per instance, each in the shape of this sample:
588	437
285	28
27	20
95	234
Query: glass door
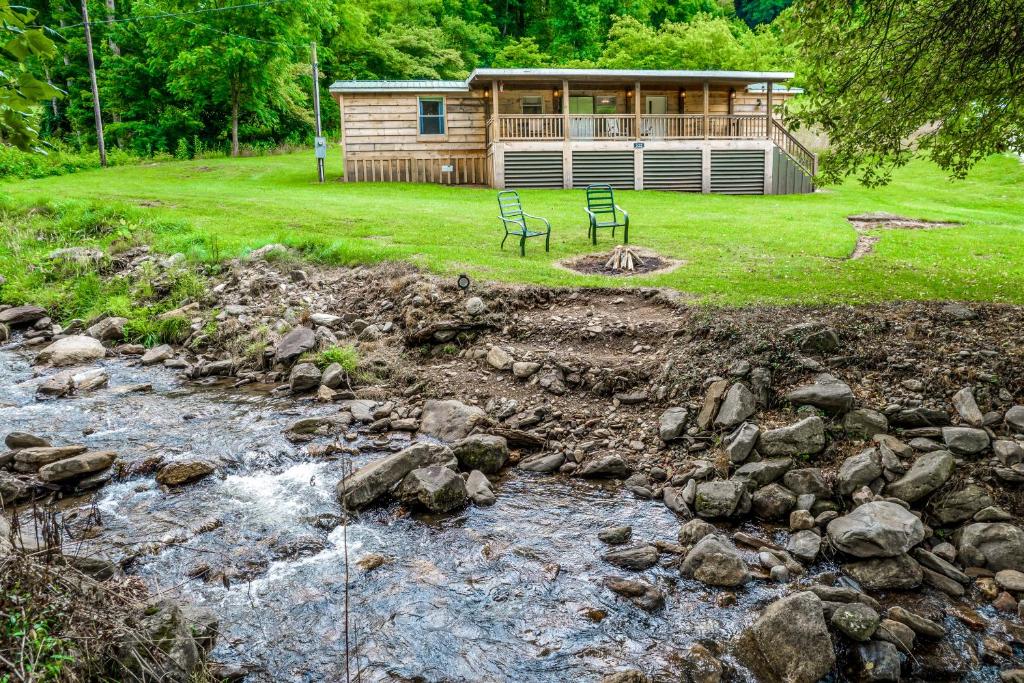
654	126
581	117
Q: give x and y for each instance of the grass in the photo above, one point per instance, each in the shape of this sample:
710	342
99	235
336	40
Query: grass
737	250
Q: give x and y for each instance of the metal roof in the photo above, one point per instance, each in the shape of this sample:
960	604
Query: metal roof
640	74
399	86
776	87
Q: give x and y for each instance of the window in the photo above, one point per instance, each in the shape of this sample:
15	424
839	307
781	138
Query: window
606	104
431	116
532	104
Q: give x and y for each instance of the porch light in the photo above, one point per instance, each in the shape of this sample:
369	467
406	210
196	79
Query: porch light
758	102
558	93
732	93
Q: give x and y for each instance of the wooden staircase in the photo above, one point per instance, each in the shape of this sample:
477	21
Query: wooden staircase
795	165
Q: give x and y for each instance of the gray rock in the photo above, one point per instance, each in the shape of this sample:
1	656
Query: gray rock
877	662
935	563
499	359
886	573
108	329
640	593
716	562
525	369
814	337
789	642
712	399
334	376
542	462
304	377
676	502
741	442
918	624
928	473
1011	580
483	452
856	620
373	480
616	535
435	488
475	306
865	423
73	350
672	424
826	393
876	529
996	546
858	470
362	409
721	499
637	558
965	440
772	502
183	472
29	460
326	320
478	488
694	530
807	480
449	420
960	505
1014	417
157	354
762	472
1008	452
739	404
12	489
897	633
21	315
967	407
76	466
24	440
605	467
806	437
294	344
804	545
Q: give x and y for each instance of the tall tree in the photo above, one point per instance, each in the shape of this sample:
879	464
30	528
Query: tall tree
892	79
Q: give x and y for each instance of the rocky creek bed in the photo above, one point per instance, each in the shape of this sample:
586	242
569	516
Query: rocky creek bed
548	484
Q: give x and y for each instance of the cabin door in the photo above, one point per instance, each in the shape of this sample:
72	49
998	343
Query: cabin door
581	117
654	125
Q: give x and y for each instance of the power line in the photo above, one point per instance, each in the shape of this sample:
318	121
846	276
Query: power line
238	35
168	15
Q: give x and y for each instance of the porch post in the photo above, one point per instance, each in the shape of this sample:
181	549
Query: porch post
768	114
566	147
636	110
706	94
494	109
638	154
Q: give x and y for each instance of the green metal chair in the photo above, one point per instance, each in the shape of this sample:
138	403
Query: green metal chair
604	212
512	215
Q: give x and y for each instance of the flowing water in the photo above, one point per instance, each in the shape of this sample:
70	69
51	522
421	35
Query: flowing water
511	592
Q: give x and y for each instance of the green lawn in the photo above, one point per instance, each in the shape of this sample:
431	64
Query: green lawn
737	250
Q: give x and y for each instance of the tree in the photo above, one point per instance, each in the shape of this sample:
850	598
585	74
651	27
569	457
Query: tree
893	79
521	53
21	90
756	12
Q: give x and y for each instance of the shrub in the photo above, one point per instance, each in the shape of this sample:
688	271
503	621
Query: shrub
345	356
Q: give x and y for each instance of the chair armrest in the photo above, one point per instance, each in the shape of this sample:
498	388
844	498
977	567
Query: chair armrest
625	214
539	218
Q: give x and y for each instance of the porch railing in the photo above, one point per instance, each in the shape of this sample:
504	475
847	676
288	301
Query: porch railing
532	127
733	126
672	126
601	127
804	157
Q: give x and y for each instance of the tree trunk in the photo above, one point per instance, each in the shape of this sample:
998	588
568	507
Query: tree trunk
111	15
234	125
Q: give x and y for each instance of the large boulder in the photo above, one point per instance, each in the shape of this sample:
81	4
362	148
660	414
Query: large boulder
864	423
965	440
183	472
672	423
739	404
478	487
29	460
858	470
449	420
928	473
373	480
762	472
807	480
435	488
996	546
741	442
157	354
21	315
876	529
108	329
73	350
960	505
483	452
76	466
294	344
805	437
17	440
886	573
12	489
789	642
716	562
826	393
303	377
719	499
772	502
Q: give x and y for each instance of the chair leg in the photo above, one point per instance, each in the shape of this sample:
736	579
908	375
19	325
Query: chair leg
522	245
547	242
503	240
625	234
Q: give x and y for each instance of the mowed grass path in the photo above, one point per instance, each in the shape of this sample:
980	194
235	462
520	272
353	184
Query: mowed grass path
737	250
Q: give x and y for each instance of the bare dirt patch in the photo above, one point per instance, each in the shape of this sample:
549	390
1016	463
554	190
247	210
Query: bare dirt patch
880	220
649	262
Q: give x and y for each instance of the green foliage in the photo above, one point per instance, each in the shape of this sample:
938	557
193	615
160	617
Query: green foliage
891	80
522	53
23	44
26	633
756	12
345	356
59	160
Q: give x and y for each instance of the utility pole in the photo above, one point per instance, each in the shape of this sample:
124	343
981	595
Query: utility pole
95	89
320	144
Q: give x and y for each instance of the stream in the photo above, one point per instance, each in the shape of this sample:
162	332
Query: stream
512	592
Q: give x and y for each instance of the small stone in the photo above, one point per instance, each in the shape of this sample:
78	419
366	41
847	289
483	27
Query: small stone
965	440
637	558
475	306
967	407
303	377
525	369
739	404
672	424
856	620
616	535
1011	580
183	472
499	359
806	437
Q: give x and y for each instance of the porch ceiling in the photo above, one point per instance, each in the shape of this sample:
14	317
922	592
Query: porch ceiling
620	77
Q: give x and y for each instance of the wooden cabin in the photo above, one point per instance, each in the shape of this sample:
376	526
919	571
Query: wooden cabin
690	131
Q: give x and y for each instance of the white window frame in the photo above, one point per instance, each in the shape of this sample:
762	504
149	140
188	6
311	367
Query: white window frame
535	101
442	117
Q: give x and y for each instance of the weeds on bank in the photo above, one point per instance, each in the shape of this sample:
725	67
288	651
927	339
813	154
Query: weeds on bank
345	356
